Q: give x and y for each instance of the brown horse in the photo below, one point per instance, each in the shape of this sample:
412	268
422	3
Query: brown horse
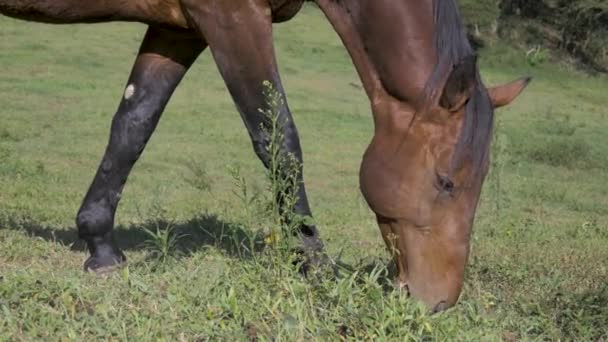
423	171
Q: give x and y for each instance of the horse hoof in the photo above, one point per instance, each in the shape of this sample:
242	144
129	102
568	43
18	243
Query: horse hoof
103	264
312	262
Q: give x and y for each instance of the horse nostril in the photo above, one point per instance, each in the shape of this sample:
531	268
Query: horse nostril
442	306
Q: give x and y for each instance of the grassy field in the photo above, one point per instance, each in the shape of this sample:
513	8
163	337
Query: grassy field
539	263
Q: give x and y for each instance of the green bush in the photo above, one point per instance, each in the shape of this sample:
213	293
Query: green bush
481	15
579	27
585	31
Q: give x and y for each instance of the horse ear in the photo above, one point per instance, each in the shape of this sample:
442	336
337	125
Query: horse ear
460	84
504	94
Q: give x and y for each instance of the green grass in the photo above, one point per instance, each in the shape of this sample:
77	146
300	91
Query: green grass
539	263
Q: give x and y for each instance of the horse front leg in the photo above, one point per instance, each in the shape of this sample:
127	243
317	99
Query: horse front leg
239	34
163	59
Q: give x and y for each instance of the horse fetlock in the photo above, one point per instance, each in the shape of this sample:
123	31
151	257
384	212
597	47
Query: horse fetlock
94	221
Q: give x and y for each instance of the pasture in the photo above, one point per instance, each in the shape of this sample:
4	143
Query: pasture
539	263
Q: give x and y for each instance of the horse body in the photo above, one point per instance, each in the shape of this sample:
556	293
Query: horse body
153	12
424	168
168	13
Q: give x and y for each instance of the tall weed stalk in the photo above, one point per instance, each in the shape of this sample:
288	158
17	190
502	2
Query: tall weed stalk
283	172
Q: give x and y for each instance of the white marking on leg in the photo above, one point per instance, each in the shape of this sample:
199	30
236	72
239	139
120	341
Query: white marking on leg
129	91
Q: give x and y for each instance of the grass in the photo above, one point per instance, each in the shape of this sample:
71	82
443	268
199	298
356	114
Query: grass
538	269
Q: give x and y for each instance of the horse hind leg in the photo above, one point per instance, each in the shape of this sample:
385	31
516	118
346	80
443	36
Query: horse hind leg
163	60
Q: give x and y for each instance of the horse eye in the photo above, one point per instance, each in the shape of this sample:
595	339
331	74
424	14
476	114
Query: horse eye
445	184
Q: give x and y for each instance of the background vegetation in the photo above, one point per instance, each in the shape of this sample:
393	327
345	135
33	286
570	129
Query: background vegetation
194	214
578	28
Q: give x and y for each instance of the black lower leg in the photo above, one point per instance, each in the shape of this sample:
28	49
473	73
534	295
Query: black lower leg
163	60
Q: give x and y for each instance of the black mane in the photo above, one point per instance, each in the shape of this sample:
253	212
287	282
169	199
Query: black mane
453	46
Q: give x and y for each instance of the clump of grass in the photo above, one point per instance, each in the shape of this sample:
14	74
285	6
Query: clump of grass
198	177
252	200
162	243
569	153
5	153
556	125
591	306
163	238
354	307
558	143
8	136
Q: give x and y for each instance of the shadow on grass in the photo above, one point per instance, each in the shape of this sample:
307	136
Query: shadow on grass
197	233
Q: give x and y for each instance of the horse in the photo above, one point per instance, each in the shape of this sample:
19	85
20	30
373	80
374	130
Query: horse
423	171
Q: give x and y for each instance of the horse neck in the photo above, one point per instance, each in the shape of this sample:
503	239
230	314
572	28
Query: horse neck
399	40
